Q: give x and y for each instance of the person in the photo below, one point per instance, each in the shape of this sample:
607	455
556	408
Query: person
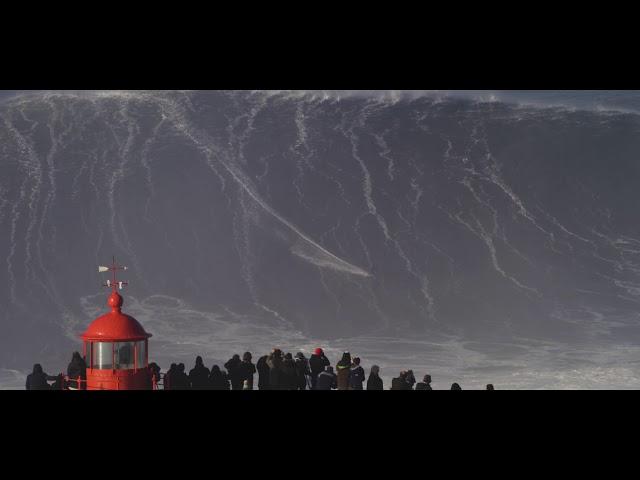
327	380
247	370
218	379
276	376
77	368
400	382
289	372
263	373
374	382
199	375
233	369
180	380
302	371
425	384
455	386
343	368
173	370
490	386
410	379
356	375
154	369
317	364
37	379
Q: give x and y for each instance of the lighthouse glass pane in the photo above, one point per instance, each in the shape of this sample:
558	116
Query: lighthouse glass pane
142	357
124	355
102	355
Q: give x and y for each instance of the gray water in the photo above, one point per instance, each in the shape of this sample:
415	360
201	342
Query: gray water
481	237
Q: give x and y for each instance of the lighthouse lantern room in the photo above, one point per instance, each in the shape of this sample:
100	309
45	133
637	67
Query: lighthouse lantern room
116	346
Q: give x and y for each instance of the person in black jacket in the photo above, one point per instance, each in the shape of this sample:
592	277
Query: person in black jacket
425	384
37	380
247	370
218	379
356	375
317	364
179	379
263	373
199	375
374	382
168	377
154	370
77	368
302	371
235	375
455	386
289	372
490	386
327	380
400	382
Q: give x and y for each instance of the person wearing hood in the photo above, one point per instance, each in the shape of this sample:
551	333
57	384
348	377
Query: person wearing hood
218	379
356	375
343	368
263	373
410	379
37	379
400	382
327	380
455	386
77	368
490	386
425	384
199	375
247	370
155	370
289	371
277	380
302	371
235	375
375	382
317	364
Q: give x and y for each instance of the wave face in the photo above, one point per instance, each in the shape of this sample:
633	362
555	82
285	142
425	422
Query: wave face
250	213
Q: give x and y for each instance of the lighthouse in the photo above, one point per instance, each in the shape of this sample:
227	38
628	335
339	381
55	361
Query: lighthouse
116	346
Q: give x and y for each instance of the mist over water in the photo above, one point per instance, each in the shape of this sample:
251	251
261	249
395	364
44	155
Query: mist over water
481	237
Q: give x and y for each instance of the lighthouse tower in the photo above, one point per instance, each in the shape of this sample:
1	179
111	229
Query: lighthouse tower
116	346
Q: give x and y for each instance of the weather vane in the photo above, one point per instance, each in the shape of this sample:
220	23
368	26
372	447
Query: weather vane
114	284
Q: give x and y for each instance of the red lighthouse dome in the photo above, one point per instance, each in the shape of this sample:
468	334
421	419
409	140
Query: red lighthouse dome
115	325
116	346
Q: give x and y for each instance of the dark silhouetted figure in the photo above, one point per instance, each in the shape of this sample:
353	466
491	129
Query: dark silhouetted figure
455	386
263	373
173	369
289	372
37	380
77	368
356	375
490	386
374	382
179	379
154	368
327	380
425	384
247	370
410	379
235	375
343	368
400	382
302	371
317	364
277	380
199	375
218	379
